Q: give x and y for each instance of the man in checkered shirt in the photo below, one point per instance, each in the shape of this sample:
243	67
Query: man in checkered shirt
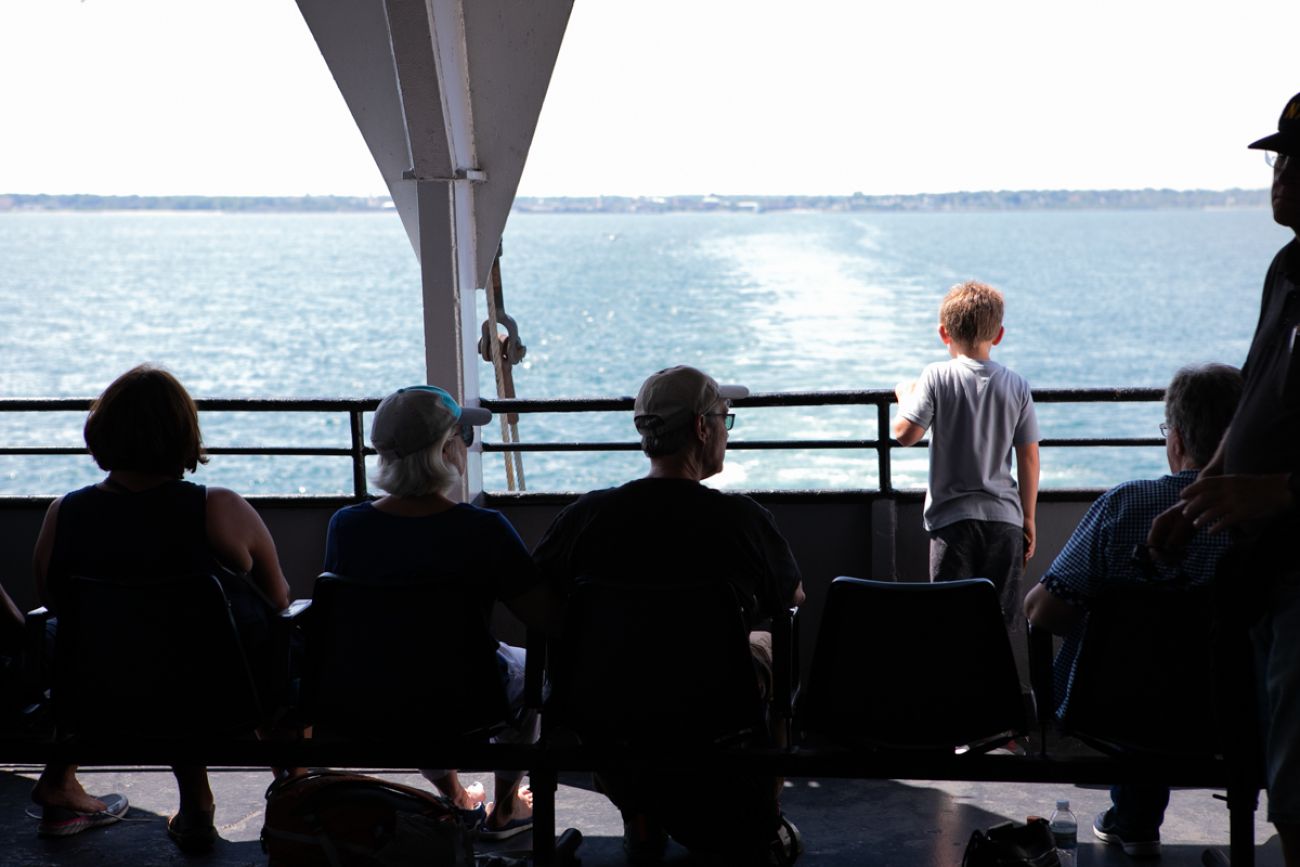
1199	403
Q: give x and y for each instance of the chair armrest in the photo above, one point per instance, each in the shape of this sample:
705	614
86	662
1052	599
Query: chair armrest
296	609
785	667
1040	678
535	669
285	653
37	663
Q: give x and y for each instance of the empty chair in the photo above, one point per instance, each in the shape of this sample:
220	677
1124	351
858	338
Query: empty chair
912	666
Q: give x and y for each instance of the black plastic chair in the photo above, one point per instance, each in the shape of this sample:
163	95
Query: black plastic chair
912	666
151	658
398	658
667	664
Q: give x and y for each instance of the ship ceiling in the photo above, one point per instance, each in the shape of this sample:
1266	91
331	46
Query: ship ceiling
443	88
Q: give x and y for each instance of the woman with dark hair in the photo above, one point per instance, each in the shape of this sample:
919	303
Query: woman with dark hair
144	519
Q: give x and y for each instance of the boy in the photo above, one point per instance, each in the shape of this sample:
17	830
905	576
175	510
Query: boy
981	523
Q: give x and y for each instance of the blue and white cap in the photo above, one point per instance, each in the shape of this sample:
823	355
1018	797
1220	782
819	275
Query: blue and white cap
413	418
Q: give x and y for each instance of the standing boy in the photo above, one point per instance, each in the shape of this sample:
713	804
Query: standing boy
981	522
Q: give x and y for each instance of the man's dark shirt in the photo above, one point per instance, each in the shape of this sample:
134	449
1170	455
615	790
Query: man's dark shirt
1265	432
656	531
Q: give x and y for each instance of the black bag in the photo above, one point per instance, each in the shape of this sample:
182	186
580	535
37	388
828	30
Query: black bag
1012	845
327	819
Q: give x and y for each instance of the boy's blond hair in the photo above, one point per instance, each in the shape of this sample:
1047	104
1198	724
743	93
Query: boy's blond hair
971	312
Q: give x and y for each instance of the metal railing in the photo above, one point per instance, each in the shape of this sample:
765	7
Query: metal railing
879	398
356	449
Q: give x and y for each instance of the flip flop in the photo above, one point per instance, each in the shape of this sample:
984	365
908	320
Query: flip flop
506	831
62	822
193	835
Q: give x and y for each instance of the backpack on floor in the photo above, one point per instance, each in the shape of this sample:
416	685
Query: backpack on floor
330	819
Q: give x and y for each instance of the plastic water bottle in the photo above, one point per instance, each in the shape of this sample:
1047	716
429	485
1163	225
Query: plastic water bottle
1065	829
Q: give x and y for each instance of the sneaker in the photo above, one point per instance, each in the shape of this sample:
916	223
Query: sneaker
60	822
1136	845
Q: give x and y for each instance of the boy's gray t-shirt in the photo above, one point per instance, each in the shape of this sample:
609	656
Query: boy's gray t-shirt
976	412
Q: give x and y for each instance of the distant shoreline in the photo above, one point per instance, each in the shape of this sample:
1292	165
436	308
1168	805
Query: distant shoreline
1000	200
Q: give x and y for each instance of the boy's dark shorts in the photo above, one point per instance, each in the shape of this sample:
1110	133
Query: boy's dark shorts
981	549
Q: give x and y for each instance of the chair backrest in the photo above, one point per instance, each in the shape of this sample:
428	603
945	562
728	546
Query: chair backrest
663	663
151	658
1144	677
912	666
401	657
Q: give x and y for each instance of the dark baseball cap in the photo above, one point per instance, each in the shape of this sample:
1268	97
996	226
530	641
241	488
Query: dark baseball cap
1287	138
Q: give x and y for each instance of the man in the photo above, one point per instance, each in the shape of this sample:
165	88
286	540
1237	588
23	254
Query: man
1252	487
1199	403
669	527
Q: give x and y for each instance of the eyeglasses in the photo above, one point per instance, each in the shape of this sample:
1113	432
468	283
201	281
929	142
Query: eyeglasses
1164	431
467	434
728	418
1273	158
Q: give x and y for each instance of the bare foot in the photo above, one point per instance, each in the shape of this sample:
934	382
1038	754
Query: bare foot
67	795
518	805
470	796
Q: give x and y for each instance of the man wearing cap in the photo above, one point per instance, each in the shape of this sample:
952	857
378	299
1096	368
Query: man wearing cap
1252	487
669	527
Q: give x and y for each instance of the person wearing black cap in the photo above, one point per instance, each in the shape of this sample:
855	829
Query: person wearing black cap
1251	487
422	435
668	524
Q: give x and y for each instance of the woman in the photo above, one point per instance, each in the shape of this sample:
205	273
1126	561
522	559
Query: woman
422	436
144	519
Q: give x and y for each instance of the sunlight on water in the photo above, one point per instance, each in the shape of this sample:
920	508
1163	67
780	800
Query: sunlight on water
328	305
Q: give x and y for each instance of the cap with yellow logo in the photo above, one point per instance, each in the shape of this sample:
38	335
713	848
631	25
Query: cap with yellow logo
1287	138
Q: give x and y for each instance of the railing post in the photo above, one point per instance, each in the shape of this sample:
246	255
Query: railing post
358	453
884	446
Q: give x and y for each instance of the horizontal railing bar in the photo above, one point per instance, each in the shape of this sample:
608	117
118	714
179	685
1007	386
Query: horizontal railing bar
775	445
868	397
309	451
216	404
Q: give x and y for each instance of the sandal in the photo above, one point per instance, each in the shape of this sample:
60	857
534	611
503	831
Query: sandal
193	835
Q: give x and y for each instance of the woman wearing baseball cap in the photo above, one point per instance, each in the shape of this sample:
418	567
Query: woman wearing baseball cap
417	530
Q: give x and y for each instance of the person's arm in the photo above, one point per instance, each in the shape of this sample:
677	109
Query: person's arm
44	551
241	540
11	613
1027	480
1051	612
906	431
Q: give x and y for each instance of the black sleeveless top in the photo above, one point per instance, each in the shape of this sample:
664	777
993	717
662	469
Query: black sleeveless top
155	533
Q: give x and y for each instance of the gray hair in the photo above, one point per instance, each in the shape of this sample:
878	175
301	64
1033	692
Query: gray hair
1200	402
661	444
418	474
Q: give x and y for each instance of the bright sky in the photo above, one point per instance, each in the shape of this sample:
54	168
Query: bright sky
657	97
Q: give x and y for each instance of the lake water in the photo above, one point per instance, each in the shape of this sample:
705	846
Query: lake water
329	305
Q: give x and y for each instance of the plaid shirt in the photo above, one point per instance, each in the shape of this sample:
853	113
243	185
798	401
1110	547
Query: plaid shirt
1099	555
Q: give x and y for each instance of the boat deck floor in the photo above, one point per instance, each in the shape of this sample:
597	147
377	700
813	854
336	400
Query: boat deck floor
891	823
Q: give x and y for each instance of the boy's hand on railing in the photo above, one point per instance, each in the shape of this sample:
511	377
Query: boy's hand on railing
904	390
